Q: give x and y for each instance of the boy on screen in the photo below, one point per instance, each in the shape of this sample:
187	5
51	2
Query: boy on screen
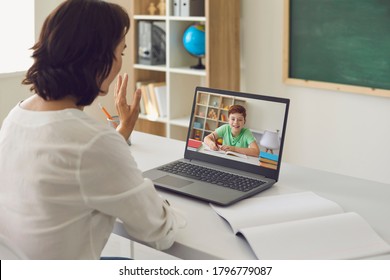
235	137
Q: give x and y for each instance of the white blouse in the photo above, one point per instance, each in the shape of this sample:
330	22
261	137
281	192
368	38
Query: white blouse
65	178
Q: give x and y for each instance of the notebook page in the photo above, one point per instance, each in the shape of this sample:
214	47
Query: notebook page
340	236
265	210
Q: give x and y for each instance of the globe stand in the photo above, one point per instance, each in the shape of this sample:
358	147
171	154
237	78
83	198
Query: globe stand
200	65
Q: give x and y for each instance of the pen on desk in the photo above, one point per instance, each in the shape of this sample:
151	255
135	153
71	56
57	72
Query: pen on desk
105	112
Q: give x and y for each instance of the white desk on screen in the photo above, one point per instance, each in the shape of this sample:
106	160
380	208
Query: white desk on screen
208	236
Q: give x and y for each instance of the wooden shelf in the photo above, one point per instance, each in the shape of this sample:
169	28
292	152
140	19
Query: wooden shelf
188	71
181	121
199	19
152	118
222	60
147	17
161	68
211	111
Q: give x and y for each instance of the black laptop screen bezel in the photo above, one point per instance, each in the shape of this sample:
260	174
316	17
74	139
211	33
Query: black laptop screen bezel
266	172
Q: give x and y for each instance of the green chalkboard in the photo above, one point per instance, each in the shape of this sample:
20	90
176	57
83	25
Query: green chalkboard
340	41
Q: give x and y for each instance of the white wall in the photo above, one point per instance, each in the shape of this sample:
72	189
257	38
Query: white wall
11	90
336	131
340	132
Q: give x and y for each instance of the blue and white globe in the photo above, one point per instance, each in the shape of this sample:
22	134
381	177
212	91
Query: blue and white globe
194	41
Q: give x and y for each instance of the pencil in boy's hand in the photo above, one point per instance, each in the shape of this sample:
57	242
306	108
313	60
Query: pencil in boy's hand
105	112
215	141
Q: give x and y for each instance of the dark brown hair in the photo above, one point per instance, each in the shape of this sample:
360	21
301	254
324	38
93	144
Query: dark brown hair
76	50
237	109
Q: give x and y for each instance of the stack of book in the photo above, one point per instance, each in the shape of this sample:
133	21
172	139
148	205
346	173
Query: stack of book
188	8
268	160
154	99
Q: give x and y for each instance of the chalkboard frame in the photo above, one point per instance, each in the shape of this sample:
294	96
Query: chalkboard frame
312	83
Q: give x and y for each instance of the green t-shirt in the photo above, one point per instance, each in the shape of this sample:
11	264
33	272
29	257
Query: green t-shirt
243	140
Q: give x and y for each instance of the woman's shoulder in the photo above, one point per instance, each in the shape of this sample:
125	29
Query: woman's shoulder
77	126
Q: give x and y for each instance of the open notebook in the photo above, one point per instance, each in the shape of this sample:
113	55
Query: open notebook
266	119
302	226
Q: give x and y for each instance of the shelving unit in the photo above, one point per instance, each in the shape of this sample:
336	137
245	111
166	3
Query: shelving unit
222	60
211	111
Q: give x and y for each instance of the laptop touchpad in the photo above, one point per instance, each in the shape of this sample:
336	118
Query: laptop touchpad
173	181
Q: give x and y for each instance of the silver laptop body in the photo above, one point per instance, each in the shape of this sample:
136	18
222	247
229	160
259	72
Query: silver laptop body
265	115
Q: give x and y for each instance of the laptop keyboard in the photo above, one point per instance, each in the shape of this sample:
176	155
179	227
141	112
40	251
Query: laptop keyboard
212	176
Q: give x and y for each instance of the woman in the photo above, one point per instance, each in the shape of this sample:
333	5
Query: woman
65	177
235	137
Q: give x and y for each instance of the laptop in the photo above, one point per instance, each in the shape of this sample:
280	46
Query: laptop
266	119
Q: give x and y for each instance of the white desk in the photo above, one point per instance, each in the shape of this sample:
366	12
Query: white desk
207	236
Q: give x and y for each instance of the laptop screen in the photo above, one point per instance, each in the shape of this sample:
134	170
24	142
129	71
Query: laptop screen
238	130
